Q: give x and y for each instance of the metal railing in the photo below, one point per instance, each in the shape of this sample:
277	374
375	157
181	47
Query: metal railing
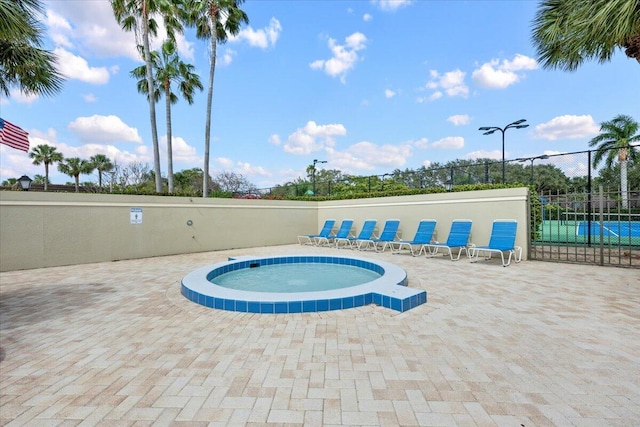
592	228
562	173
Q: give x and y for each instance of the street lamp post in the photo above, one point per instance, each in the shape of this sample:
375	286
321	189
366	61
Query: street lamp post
488	130
383	177
448	185
316	161
532	159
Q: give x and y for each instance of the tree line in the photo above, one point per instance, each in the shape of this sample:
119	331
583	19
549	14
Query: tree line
132	178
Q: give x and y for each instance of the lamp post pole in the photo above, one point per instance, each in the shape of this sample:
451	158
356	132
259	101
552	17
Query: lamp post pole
316	161
488	130
383	177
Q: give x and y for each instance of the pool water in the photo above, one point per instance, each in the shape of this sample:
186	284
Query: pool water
295	278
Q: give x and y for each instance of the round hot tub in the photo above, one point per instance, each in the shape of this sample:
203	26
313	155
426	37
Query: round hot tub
280	289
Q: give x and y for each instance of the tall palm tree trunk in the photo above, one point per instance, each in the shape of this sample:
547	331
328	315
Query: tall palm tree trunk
207	132
152	102
77	179
46	175
167	100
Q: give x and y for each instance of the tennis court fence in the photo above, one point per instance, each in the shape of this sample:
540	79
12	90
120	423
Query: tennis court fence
590	228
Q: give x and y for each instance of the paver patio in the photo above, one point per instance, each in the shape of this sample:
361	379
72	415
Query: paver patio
533	344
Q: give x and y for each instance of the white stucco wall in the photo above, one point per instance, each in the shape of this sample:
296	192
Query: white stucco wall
50	229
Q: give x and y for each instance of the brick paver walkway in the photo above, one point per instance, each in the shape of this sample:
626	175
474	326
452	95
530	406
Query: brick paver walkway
533	344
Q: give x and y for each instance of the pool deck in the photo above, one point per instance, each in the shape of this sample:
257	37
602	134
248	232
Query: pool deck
115	344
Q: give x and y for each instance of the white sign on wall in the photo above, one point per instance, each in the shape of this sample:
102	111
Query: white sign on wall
135	215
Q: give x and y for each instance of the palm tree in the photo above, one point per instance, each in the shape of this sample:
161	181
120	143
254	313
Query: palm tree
74	166
214	20
39	179
169	68
23	63
46	154
101	163
568	32
615	139
137	16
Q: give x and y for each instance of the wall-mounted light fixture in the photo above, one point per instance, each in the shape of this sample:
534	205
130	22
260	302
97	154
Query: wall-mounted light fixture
25	182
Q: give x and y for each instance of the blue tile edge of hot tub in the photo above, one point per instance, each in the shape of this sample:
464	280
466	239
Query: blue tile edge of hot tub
310	306
411	298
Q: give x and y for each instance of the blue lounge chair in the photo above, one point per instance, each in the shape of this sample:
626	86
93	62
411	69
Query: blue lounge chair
503	239
388	235
368	228
343	232
424	235
458	239
327	228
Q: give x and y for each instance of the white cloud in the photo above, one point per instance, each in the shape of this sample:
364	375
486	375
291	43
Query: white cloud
75	67
122	157
389	93
452	83
499	75
103	129
58	26
89	97
449	142
89	26
367	17
421	143
248	169
275	139
185	47
227	56
459	119
23	98
225	162
263	37
182	151
344	56
367	156
482	154
435	95
16	163
313	137
391	5
567	127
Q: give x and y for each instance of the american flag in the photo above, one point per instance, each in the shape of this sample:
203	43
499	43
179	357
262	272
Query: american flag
13	136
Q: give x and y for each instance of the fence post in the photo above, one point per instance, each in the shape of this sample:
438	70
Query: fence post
601	220
589	200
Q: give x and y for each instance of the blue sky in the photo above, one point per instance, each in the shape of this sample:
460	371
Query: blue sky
368	86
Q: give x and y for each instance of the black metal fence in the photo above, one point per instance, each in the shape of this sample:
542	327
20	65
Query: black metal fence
558	173
587	215
590	227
